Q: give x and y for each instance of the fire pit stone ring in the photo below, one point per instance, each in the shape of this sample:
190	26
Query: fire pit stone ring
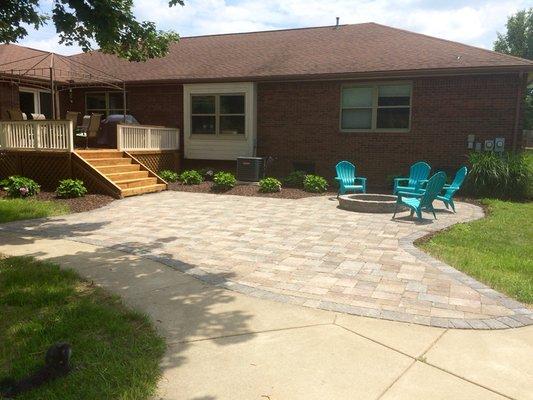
369	203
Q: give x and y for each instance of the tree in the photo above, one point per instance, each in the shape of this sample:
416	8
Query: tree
109	23
518	41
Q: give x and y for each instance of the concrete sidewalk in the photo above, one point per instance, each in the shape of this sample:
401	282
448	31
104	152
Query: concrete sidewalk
226	345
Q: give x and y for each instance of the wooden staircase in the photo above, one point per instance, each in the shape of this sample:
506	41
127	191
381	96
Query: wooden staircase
123	171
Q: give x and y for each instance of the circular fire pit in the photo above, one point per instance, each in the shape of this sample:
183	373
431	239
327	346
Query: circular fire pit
369	203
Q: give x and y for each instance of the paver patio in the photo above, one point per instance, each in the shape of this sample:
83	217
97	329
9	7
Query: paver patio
305	252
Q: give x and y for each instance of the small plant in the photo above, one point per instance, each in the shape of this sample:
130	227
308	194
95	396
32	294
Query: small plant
168	175
315	184
20	186
295	179
69	188
269	185
191	177
224	180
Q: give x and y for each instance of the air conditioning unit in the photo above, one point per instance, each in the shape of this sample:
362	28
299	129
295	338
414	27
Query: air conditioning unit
250	169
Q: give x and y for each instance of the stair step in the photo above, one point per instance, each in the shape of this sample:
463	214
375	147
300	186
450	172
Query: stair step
131	183
112	169
143	189
96	162
91	154
122	176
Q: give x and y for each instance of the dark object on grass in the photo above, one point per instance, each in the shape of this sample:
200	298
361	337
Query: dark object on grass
56	364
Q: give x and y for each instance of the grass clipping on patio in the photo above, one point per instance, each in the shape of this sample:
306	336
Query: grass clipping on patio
496	250
115	351
17	209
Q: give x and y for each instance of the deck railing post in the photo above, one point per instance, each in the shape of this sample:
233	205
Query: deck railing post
148	144
70	137
36	141
120	134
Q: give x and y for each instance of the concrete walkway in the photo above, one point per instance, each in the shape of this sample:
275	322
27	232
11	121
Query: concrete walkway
225	345
303	252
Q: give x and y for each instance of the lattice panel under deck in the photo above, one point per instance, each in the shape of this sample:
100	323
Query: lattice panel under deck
158	161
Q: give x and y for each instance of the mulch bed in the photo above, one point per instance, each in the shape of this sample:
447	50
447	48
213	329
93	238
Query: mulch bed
80	204
247	190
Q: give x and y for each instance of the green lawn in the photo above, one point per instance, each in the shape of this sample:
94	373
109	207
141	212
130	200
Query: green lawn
496	250
15	209
116	351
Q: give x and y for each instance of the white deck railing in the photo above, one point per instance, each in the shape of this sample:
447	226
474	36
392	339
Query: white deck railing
144	137
40	135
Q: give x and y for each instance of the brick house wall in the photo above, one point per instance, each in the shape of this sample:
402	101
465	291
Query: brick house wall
299	122
9	98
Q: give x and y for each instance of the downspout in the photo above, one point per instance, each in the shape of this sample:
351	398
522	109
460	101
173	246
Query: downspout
518	108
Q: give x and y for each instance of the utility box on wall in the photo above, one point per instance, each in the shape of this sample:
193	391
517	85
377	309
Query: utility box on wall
499	144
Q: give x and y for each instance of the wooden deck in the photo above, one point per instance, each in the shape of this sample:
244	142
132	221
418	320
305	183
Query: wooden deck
44	151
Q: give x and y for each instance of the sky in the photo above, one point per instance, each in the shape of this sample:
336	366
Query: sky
472	22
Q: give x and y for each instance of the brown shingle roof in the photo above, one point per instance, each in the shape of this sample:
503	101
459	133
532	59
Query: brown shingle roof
347	50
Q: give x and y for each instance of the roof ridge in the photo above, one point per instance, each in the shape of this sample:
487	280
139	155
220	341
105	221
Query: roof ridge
274	30
453	42
250	33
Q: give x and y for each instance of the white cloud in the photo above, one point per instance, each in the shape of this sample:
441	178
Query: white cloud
471	22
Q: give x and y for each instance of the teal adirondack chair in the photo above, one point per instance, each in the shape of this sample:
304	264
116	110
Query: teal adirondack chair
418	202
450	190
418	175
347	179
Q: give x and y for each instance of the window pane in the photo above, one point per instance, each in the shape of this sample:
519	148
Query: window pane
96	101
202	125
357	97
394	95
357	119
45	103
232	124
393	118
116	100
203	104
27	103
233	104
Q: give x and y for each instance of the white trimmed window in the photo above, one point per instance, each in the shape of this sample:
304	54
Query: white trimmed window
376	107
218	114
105	103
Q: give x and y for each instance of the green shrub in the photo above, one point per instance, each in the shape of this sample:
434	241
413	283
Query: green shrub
295	179
20	186
69	188
269	185
315	184
191	177
168	175
499	176
224	180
